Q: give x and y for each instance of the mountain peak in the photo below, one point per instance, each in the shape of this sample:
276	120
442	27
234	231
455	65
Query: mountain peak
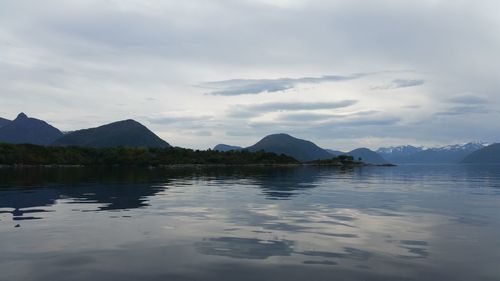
21	116
28	130
283	135
301	150
130	121
367	155
125	133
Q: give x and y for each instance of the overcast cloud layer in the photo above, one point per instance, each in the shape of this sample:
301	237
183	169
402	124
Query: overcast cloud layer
343	74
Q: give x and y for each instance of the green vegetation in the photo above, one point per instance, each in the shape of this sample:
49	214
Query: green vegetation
341	160
28	154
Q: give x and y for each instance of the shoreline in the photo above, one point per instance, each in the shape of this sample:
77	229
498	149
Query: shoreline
21	166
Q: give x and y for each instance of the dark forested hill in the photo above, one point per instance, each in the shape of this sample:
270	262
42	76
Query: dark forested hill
299	149
127	133
367	156
28	130
4	122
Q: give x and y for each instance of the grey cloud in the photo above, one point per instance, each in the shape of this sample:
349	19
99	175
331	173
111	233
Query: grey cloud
468	99
281	106
383	121
241	112
202	133
327	122
236	87
413	106
401	83
240	133
252	110
307	117
166	120
404	83
312	116
364	113
464	110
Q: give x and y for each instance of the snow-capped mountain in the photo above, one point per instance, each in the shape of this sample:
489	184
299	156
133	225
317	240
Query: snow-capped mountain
470	146
446	154
400	150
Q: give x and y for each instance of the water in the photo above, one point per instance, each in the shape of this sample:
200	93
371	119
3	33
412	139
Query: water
376	223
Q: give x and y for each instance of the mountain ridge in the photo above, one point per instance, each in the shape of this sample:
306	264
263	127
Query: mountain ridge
446	154
28	130
486	155
126	133
302	150
367	155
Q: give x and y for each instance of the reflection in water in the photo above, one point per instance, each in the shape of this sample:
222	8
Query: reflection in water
130	188
244	248
349	253
112	197
254	223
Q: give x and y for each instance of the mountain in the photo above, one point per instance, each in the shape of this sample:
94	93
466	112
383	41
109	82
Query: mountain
397	154
368	156
446	154
301	150
127	133
28	130
335	152
488	154
4	122
225	147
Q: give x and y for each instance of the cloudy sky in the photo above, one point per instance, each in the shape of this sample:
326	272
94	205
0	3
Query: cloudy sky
343	74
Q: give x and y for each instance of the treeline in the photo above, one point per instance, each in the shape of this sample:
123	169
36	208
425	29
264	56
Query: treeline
27	154
341	160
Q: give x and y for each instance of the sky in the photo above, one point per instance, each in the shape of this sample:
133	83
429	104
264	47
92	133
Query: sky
343	74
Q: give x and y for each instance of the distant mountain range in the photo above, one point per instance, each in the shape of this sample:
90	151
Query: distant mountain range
489	154
446	154
304	150
226	147
130	133
127	133
364	154
28	130
396	153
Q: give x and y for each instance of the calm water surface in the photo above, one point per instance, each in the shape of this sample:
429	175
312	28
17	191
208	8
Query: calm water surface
377	223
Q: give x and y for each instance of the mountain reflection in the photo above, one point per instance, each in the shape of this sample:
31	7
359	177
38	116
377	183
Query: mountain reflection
283	183
120	189
24	189
24	192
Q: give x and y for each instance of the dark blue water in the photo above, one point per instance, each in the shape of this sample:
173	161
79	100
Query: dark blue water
375	223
